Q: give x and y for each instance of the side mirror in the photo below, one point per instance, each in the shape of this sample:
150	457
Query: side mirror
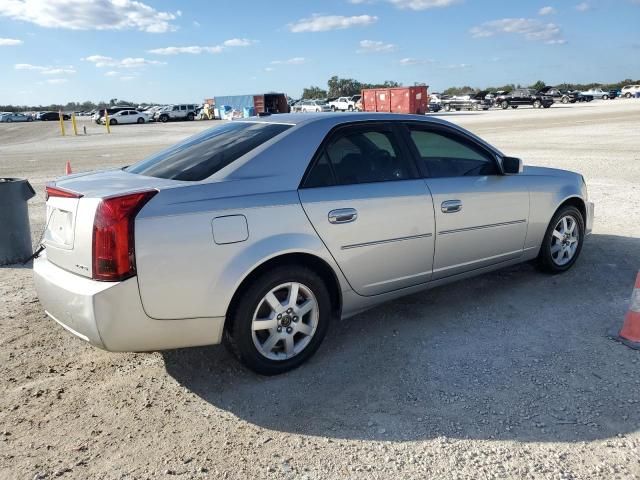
511	165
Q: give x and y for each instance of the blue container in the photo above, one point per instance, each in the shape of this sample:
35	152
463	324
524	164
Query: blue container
637	94
248	112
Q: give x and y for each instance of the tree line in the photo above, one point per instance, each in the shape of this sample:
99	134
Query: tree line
539	85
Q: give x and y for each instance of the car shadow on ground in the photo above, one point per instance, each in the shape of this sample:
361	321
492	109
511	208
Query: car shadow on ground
511	355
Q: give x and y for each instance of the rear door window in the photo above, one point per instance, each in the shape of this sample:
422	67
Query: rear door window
202	155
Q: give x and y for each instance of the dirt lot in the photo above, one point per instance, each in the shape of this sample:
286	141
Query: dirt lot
508	375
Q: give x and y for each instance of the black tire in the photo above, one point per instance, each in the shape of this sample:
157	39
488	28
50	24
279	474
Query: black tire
164	118
514	106
548	105
537	104
112	121
504	105
447	107
9	120
191	117
627	95
545	261
140	120
350	108
238	334
605	97
565	100
333	108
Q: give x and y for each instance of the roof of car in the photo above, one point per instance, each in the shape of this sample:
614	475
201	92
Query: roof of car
333	119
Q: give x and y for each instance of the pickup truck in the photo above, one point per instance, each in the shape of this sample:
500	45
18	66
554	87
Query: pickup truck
471	101
343	104
523	96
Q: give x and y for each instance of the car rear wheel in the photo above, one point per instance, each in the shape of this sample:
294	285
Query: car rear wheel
504	105
191	117
627	95
605	97
562	241
514	106
537	104
280	320
9	120
333	108
447	108
113	121
140	120
565	100
164	118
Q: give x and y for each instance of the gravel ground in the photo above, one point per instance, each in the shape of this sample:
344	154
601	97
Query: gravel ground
508	375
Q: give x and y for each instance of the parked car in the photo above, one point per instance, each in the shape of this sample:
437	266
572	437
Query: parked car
176	112
523	96
557	95
126	116
180	250
614	93
10	117
470	101
596	93
342	104
304	106
49	116
434	107
97	116
629	91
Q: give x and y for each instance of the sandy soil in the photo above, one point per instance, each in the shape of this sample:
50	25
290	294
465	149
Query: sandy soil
508	375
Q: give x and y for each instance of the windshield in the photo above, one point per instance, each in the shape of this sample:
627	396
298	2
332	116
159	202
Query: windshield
200	156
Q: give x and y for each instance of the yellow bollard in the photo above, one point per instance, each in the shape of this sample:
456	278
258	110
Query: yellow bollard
106	120
73	124
61	117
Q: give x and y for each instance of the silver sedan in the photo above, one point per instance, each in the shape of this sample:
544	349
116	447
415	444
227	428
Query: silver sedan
260	232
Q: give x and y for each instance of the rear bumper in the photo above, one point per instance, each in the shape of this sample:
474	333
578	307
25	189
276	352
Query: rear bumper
109	315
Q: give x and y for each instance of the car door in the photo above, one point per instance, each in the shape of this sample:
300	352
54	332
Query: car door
366	201
481	214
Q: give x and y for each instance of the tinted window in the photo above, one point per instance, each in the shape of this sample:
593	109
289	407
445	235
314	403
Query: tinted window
451	156
359	155
202	155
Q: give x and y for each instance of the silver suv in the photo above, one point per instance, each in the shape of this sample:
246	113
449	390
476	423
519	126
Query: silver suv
176	112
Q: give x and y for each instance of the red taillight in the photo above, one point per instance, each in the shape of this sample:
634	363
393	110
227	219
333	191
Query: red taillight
113	241
51	191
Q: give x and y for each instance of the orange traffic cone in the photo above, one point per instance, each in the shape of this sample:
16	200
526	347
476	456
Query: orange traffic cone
630	332
67	170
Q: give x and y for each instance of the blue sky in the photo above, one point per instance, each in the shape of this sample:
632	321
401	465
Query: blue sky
170	51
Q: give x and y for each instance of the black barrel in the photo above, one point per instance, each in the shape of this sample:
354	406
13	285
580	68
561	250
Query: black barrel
15	234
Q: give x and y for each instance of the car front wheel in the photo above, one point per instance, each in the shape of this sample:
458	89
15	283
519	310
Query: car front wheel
504	105
280	320
562	241
537	104
113	121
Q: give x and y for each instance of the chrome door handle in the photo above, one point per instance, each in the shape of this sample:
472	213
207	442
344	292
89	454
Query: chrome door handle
343	215
451	206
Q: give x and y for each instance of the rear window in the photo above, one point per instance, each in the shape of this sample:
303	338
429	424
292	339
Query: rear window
200	156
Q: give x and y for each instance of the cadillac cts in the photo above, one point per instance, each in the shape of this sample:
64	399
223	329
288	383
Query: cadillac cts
260	231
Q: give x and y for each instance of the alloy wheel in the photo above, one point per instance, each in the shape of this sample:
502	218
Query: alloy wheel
285	321
564	241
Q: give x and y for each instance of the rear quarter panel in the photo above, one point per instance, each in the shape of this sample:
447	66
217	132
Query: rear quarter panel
183	273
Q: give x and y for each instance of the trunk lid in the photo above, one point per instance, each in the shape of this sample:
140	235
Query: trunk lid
68	235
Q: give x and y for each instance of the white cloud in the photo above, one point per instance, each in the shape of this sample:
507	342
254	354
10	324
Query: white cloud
323	23
56	81
422	4
583	7
10	42
529	28
291	61
238	42
455	66
89	15
547	11
405	62
269	69
128	78
371	46
46	70
111	73
129	62
198	49
194	50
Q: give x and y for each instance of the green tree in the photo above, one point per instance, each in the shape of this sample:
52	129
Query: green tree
314	93
539	85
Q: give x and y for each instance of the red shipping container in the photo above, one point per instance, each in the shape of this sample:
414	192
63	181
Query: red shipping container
396	100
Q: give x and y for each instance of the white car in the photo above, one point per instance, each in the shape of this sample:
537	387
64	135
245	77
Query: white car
629	91
343	104
10	117
596	93
305	106
126	116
